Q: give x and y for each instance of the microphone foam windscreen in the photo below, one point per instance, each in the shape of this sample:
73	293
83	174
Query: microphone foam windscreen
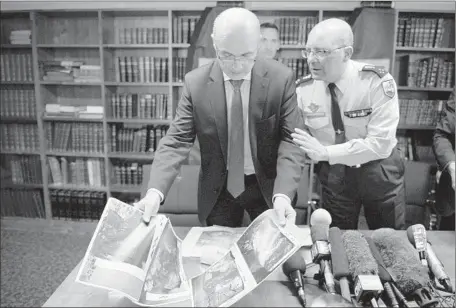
320	217
295	262
319	232
401	260
382	271
361	261
338	256
420	231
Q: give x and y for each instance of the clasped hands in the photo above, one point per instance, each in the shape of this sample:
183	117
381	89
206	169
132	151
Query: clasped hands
151	203
313	148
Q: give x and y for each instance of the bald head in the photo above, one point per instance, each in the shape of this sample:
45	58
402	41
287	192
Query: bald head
235	23
333	31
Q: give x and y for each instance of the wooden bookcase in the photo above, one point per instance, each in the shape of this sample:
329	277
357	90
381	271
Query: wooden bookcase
102	39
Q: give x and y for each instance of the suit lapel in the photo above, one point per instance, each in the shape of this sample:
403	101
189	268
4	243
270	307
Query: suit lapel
257	102
217	98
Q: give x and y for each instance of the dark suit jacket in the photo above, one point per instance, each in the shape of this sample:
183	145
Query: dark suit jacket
443	145
273	115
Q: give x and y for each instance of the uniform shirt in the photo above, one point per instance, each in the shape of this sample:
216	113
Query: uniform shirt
369	107
245	94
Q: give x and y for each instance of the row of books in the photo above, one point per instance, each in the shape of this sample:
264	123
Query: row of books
21	169
74	137
131	140
183	27
77	171
295	30
420	112
16	66
70	71
19	137
77	204
431	72
412	148
139	35
141	69
74	111
298	65
179	69
128	174
141	106
17	102
423	32
21	203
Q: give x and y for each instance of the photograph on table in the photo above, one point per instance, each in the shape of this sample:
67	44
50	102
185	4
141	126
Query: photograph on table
209	244
117	255
219	285
165	277
264	246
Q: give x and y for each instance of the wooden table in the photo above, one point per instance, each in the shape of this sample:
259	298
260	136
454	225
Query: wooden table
274	292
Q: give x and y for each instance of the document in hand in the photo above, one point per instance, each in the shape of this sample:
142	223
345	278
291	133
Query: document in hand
145	263
142	262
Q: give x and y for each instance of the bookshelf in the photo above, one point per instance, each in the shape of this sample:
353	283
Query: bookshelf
102	116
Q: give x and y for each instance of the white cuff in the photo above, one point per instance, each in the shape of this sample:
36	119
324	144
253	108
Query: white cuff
162	197
335	152
281	195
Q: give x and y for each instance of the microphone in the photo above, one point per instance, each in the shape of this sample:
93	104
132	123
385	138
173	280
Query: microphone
417	236
400	259
363	267
320	217
385	276
339	261
321	254
295	268
437	269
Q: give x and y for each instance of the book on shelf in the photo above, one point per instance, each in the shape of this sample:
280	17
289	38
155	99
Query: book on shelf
134	140
21	169
18	102
16	66
142	35
179	67
295	30
77	204
79	171
143	69
74	111
128	173
69	71
299	66
20	37
19	137
425	32
183	27
419	70
21	202
74	137
140	106
420	112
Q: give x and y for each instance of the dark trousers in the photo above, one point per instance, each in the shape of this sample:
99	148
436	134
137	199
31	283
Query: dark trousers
229	211
377	185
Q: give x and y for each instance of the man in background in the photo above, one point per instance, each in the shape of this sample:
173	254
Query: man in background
270	41
351	111
443	147
243	112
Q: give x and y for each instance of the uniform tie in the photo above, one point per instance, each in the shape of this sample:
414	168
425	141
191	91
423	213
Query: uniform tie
337	122
235	182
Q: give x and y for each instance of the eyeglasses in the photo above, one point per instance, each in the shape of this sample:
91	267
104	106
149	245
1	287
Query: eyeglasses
319	53
226	57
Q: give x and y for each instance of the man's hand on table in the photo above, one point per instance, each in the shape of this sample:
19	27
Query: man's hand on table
285	212
149	204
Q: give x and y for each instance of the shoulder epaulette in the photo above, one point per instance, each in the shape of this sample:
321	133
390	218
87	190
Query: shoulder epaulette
304	79
379	70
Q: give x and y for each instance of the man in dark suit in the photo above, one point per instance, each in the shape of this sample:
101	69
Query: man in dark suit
443	147
243	112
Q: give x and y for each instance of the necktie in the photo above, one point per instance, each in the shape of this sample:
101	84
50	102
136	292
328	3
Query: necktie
235	182
335	115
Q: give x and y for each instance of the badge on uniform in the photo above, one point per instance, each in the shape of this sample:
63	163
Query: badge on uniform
388	88
358	113
313	111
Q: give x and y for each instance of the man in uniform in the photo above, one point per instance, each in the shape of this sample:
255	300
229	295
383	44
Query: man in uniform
351	114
